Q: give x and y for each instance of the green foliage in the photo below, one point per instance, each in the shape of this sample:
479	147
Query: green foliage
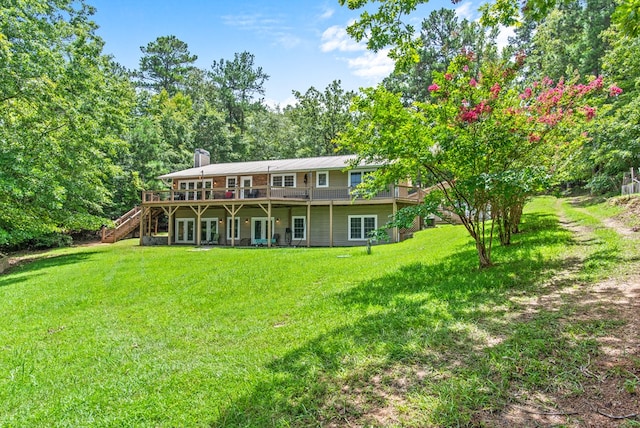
627	16
319	117
165	64
239	82
485	145
64	109
385	27
442	37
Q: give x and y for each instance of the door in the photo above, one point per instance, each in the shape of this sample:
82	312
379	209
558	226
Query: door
185	231
209	231
259	230
189	188
246	183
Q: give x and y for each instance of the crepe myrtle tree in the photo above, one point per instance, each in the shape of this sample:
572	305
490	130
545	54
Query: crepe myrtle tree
485	144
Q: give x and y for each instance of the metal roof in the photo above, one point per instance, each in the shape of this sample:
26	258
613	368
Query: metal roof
267	166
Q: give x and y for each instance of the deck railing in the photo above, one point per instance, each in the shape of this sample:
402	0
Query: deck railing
274	193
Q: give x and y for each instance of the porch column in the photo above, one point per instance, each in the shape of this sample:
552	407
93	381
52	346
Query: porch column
170	228
331	223
198	226
233	225
269	231
308	224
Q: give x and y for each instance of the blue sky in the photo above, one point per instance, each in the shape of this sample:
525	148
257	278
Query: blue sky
298	43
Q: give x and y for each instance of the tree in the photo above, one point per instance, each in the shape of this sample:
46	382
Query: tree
239	83
319	117
513	12
442	38
614	138
486	145
165	64
64	109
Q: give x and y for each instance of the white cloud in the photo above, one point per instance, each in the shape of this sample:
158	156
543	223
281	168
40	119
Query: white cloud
467	10
275	104
373	66
328	13
265	26
288	41
503	36
336	38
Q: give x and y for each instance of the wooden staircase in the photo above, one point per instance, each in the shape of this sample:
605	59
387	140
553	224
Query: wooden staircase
124	226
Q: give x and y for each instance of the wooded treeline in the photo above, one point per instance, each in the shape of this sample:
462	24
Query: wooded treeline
81	136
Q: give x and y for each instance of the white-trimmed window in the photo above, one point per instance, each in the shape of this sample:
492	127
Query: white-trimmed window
361	225
190	189
322	179
283	180
232	182
357	177
237	229
299	227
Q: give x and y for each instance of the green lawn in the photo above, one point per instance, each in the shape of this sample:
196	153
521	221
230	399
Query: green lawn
122	335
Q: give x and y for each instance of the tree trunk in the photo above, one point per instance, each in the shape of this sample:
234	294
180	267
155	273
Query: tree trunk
516	217
483	255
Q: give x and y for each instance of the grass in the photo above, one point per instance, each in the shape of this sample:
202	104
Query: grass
414	333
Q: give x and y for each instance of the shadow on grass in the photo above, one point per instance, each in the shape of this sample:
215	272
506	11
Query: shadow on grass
453	337
25	269
586	201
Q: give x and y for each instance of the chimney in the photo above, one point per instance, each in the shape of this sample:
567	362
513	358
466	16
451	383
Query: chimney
201	158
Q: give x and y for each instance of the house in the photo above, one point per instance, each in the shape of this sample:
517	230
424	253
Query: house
297	202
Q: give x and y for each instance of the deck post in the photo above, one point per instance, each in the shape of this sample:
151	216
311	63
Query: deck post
331	223
233	225
170	228
308	224
198	226
269	231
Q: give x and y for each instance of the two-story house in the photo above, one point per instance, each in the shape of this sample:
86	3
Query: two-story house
297	202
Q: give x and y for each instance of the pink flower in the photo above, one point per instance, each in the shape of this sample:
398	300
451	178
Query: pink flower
434	87
495	90
614	91
534	138
448	76
465	68
473	83
526	94
589	112
469	116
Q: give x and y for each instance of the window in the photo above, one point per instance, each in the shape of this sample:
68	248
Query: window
299	227
322	179
237	230
232	182
356	177
360	226
191	189
283	180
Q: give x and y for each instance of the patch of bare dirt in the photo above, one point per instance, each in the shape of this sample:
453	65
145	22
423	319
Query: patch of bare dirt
610	395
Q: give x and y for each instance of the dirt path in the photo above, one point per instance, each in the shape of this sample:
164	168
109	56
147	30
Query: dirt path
610	394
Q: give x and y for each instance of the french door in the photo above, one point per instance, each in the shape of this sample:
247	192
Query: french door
209	231
185	231
259	230
245	184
